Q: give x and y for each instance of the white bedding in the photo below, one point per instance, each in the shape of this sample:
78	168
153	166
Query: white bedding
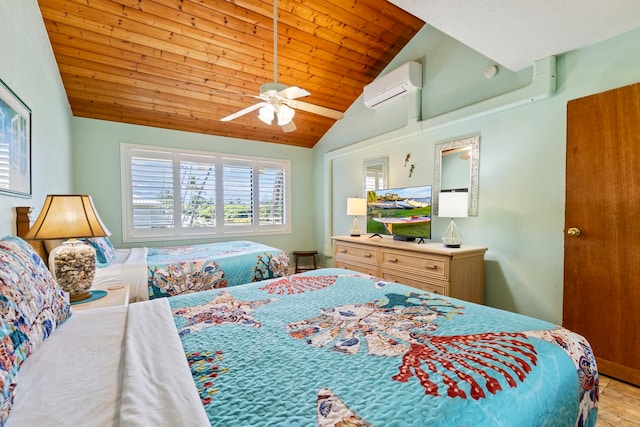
157	387
107	367
129	266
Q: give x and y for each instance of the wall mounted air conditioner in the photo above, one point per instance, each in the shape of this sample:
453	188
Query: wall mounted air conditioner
393	85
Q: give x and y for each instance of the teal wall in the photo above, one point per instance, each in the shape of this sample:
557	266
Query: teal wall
522	159
96	165
28	67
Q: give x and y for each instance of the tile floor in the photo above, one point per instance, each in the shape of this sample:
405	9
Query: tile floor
619	404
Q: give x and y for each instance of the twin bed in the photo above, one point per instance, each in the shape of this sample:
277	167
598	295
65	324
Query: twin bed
174	270
330	347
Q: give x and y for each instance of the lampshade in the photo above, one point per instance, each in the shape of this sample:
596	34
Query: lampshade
73	264
356	206
65	216
453	204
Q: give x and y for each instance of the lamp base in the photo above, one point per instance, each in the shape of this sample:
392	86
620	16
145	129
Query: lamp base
452	237
355	229
73	267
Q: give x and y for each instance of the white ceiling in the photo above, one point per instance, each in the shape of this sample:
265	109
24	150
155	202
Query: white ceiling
516	33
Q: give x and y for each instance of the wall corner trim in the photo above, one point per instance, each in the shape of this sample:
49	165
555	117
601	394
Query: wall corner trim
542	86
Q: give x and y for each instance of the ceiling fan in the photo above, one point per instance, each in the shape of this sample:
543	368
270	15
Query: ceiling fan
280	100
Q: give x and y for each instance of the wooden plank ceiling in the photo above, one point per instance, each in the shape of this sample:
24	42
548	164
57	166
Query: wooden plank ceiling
185	64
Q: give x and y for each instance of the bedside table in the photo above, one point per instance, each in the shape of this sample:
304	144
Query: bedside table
116	295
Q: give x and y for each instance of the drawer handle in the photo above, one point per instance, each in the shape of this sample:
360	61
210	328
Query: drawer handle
431	267
367	255
343	251
393	259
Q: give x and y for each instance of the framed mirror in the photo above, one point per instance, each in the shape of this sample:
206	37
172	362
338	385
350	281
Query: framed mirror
456	169
375	175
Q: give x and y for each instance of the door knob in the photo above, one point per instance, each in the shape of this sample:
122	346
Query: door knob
573	231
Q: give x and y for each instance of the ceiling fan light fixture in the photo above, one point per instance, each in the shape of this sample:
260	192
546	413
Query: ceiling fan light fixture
278	99
266	114
285	115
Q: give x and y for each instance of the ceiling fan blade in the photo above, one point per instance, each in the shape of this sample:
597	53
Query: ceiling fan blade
316	109
243	112
289	127
293	92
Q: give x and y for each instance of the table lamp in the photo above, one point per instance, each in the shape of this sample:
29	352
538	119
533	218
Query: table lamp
453	205
73	263
356	206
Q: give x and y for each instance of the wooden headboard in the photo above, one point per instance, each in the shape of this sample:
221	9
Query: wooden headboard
23	225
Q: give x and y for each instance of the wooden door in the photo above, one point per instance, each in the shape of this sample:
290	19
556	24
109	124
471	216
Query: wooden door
602	265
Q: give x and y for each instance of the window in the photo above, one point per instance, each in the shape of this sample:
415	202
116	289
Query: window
170	193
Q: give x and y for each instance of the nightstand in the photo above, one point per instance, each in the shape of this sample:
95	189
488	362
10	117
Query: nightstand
116	295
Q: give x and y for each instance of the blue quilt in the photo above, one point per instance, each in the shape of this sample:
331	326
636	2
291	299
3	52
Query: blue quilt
176	270
334	347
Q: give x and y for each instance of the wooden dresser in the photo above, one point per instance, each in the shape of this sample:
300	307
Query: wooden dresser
458	273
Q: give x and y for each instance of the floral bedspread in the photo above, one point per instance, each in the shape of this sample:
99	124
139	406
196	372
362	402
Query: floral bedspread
176	270
333	347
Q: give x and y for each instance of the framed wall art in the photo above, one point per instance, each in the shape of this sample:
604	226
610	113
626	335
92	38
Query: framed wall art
15	144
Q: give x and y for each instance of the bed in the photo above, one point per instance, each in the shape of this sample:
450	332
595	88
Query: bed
329	347
174	270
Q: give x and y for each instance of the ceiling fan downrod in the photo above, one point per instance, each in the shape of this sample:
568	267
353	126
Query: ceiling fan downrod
275	41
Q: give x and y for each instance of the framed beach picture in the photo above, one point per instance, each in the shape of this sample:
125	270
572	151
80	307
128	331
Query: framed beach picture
15	144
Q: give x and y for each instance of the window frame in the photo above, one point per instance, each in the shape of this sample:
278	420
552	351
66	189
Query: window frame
178	232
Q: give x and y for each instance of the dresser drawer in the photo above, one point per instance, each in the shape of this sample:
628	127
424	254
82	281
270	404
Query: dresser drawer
416	282
369	269
428	265
353	253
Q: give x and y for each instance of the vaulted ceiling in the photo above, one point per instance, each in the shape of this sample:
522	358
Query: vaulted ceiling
185	64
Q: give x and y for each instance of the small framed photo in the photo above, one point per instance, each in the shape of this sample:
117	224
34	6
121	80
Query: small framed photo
15	144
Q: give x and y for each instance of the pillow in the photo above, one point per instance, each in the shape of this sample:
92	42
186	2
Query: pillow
13	350
105	253
32	305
